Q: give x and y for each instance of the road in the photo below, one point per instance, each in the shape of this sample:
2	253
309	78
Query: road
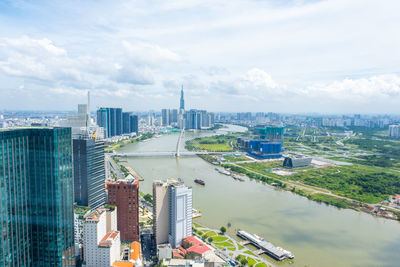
113	167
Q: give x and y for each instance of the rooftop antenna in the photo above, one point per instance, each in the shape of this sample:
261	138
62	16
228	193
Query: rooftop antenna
88	113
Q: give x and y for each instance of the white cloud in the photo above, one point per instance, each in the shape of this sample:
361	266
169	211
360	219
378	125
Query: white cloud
358	90
242	53
42	61
149	53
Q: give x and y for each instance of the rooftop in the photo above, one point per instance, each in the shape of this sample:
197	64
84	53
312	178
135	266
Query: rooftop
108	239
195	245
94	215
124	181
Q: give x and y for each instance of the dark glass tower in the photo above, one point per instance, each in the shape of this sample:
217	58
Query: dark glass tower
134	124
36	197
126	123
111	120
89	172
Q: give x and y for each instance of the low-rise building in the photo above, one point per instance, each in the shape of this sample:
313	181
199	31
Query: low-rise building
297	162
164	251
135	259
100	237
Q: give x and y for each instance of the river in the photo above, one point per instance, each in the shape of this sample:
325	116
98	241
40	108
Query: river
317	234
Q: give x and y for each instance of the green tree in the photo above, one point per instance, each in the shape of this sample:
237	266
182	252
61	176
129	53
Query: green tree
223	229
148	197
210	239
243	262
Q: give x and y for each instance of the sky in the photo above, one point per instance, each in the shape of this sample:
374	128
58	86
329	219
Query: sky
291	56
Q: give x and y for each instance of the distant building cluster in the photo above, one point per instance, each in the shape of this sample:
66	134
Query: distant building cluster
189	120
169	117
266	144
198	119
394	131
115	122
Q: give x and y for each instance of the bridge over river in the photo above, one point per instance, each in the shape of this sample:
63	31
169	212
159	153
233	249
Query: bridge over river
176	153
163	154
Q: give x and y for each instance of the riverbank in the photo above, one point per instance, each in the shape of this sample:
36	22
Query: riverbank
115	145
310	192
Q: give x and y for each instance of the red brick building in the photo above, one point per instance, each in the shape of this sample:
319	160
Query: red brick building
125	195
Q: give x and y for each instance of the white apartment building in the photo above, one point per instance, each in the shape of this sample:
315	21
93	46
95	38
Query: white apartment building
180	213
101	239
172	212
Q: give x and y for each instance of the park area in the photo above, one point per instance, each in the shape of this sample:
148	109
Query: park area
230	246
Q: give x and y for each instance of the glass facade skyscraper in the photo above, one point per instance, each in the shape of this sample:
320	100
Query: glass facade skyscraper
111	120
36	191
89	172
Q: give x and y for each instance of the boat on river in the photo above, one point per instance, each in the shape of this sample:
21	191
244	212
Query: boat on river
223	171
237	177
198	181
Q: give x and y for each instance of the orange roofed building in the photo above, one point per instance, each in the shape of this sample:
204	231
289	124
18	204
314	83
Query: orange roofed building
135	259
192	248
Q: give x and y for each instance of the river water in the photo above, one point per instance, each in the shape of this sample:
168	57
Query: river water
317	234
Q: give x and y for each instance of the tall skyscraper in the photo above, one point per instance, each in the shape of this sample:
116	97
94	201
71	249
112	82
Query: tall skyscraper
125	195
126	123
160	212
111	120
169	117
103	120
182	102
36	197
89	172
173	116
172	212
130	123
180	213
193	119
134	124
165	117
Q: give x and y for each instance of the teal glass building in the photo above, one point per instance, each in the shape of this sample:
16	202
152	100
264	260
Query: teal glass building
36	192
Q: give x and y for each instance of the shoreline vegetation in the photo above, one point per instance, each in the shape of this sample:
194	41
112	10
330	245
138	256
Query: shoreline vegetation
111	146
357	187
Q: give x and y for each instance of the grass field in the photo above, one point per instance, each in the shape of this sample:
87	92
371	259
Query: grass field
221	143
261	166
367	184
235	159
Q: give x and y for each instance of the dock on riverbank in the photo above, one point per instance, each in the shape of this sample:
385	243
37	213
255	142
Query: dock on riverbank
134	173
266	247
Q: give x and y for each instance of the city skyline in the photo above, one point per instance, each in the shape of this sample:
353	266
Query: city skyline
229	56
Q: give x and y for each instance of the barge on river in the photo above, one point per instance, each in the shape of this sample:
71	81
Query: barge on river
265	246
198	181
223	171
